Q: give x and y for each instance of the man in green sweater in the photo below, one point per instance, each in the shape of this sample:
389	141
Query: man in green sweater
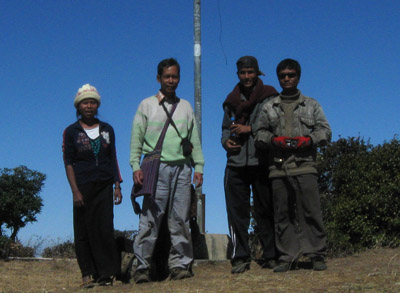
291	126
173	190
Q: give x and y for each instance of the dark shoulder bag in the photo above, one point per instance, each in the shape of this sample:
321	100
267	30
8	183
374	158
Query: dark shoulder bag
149	166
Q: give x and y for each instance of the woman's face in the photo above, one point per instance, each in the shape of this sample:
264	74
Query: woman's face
88	108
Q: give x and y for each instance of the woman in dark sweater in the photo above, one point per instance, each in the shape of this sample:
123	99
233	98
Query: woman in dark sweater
92	170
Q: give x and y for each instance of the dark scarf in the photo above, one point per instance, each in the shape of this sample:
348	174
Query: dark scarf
243	109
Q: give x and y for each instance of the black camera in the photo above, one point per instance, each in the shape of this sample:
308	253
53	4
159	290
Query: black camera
291	143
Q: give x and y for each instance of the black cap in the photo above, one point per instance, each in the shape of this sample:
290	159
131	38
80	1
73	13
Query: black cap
247	62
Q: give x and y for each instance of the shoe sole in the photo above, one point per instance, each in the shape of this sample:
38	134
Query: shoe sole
320	269
285	267
180	277
88	285
141	281
241	270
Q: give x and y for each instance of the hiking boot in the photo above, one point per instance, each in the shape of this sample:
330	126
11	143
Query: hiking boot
180	273
318	263
240	266
141	276
268	263
284	266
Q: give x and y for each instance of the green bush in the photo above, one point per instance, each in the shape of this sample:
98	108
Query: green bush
62	250
255	246
10	248
5	243
360	188
66	249
19	250
128	234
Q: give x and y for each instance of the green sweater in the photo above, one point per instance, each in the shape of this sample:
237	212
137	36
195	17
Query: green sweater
147	126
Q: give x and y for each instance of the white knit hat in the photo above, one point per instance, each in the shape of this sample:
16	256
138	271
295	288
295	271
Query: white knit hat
85	92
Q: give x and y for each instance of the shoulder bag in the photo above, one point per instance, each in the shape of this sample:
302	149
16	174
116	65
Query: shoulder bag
149	166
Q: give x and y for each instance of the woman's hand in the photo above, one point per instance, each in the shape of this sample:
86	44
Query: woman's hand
117	196
77	196
78	199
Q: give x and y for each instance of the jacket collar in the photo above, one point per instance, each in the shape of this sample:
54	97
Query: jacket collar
277	101
161	97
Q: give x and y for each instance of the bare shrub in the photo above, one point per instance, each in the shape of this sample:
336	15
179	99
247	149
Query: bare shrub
62	250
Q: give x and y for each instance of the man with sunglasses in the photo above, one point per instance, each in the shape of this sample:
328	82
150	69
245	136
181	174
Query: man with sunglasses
291	126
246	171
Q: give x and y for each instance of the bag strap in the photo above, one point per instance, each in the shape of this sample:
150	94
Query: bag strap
174	125
171	120
164	131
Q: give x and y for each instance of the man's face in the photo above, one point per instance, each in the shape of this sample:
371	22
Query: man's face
288	80
169	80
247	77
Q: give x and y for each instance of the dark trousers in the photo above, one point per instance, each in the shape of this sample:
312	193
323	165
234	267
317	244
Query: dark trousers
298	219
95	246
238	183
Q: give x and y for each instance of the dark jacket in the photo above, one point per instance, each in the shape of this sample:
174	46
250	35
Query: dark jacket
78	153
309	120
245	110
248	155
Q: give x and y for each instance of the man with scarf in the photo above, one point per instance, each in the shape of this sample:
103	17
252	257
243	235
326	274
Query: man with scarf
246	170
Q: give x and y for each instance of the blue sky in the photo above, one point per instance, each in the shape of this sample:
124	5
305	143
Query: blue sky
349	52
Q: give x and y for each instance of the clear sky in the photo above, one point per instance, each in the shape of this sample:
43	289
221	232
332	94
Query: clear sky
349	52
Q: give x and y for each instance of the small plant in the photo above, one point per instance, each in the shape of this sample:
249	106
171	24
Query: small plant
5	243
19	250
128	234
255	246
11	248
61	250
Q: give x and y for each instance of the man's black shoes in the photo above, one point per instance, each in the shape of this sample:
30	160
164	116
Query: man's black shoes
240	266
180	273
318	263
268	263
141	276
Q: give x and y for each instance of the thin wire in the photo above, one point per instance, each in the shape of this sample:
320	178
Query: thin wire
220	33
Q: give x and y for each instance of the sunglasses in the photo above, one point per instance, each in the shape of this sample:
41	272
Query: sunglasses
290	75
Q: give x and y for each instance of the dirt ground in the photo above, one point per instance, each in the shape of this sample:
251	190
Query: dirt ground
376	270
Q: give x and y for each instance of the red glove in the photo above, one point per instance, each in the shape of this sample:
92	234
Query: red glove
281	141
303	141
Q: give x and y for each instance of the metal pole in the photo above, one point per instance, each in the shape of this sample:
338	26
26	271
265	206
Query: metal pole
197	108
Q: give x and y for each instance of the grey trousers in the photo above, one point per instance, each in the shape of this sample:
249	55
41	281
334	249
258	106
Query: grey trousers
299	229
172	199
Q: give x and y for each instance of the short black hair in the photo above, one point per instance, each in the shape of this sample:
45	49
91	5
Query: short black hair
167	63
289	64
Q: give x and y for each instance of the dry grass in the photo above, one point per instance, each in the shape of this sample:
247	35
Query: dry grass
376	270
